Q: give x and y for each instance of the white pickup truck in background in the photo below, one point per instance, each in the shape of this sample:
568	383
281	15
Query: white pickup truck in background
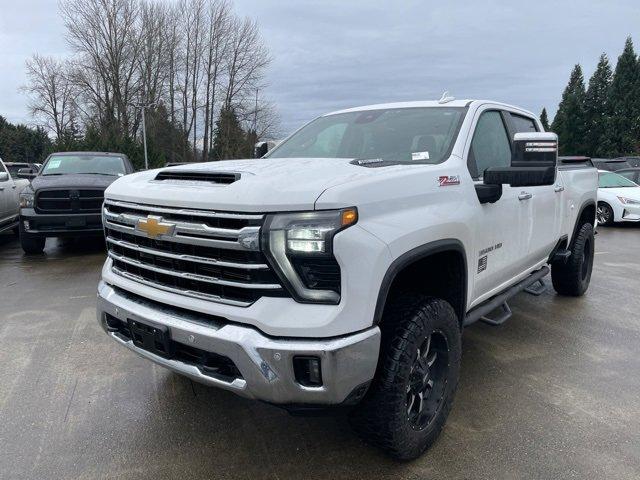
342	268
10	189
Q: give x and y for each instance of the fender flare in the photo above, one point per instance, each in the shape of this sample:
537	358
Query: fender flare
414	255
585	205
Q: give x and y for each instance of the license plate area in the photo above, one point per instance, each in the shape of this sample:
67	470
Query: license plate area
153	338
76	222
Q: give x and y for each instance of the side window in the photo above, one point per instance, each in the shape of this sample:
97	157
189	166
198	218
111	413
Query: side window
490	146
523	124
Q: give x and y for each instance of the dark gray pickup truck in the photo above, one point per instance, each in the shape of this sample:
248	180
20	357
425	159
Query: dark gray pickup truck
65	197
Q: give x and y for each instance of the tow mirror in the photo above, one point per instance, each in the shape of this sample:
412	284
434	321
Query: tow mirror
4	176
26	173
533	162
261	148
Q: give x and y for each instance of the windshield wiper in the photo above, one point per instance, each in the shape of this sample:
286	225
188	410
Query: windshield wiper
99	173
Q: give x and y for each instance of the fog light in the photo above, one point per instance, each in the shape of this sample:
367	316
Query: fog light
307	371
26	224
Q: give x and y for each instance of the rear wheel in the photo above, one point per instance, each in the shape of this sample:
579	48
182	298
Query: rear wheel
31	244
572	277
411	396
604	214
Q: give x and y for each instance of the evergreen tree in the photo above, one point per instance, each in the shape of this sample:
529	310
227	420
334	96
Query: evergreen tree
544	119
569	120
624	127
596	110
230	139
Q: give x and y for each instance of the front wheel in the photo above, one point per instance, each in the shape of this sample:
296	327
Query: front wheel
604	214
572	277
411	396
31	244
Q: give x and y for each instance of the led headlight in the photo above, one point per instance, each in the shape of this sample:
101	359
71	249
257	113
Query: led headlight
26	199
298	244
628	201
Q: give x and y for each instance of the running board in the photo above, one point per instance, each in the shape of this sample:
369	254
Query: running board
9	226
481	311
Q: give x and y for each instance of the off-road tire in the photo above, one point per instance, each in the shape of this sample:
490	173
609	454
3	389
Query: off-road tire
571	278
604	214
382	419
31	244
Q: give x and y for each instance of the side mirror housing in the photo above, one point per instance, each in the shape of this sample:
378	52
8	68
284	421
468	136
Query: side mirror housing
261	148
26	173
4	176
533	162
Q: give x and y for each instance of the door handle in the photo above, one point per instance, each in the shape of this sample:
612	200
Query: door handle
13	186
524	196
558	188
1	189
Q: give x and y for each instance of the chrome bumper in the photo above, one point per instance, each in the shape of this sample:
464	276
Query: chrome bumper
265	364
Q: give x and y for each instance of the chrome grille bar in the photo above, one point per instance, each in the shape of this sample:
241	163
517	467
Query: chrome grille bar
188	258
193	276
184	211
203	242
180	291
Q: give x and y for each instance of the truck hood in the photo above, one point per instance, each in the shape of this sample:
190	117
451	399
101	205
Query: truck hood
263	185
72	181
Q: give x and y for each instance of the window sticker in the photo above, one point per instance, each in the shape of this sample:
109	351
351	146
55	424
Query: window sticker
54	163
417	156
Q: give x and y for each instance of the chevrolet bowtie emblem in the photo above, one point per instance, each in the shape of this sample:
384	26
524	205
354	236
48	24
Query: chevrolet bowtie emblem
153	226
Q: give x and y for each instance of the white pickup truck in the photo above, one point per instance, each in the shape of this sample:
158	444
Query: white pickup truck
10	189
342	267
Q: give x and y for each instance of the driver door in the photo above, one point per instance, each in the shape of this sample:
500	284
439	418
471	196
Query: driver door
499	227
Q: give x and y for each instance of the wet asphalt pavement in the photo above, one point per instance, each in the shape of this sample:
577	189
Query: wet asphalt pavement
554	393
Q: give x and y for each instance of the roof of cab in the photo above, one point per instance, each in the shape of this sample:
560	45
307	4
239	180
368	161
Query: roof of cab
427	103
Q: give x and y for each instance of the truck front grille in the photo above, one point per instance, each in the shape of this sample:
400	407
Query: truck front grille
69	201
208	255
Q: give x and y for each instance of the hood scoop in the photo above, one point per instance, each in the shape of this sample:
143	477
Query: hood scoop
179	176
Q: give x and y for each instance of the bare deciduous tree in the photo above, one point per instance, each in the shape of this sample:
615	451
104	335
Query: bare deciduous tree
189	58
52	93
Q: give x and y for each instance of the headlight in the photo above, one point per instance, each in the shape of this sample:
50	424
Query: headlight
26	200
628	201
299	246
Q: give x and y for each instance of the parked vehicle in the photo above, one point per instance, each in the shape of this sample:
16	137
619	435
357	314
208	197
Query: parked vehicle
10	189
618	199
14	167
342	267
611	164
632	161
65	197
632	174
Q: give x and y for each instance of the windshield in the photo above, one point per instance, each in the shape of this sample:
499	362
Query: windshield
613	180
422	135
96	164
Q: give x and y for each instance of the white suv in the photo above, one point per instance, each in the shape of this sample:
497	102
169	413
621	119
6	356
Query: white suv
341	268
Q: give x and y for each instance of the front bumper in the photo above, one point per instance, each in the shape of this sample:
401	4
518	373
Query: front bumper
61	224
265	364
630	213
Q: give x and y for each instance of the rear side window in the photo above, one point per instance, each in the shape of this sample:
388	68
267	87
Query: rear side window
523	124
490	146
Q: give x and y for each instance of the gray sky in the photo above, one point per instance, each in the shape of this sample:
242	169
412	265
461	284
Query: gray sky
331	54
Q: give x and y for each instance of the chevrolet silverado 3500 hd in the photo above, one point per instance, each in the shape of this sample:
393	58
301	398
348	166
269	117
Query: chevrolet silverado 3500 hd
342	267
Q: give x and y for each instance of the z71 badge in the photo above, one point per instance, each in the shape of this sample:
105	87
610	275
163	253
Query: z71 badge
447	180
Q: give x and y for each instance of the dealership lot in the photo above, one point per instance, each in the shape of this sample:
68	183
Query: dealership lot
554	393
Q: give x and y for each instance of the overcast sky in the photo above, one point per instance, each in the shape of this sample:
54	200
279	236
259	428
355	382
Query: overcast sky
331	54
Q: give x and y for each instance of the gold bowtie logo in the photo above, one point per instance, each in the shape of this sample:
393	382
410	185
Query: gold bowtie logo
153	226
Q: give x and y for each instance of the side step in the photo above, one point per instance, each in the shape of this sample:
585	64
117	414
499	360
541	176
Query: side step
503	317
481	311
536	288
